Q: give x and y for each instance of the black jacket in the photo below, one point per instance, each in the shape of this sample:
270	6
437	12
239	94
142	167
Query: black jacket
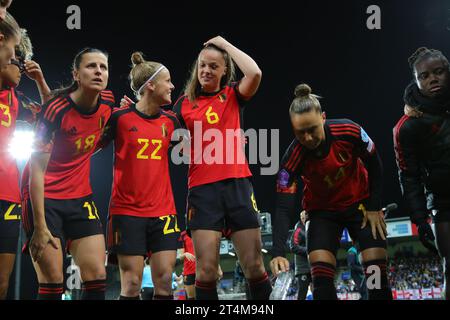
422	148
297	244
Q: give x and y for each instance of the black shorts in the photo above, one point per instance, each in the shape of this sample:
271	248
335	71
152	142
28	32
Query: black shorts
140	236
189	280
326	227
227	204
10	215
68	219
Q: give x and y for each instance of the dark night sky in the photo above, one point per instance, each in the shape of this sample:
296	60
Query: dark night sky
360	73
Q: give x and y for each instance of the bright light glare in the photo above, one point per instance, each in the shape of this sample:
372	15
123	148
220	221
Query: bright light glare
21	144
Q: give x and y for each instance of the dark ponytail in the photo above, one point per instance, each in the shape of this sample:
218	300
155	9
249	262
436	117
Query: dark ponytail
63	91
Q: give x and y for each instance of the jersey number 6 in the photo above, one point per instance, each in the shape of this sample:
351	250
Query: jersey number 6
211	116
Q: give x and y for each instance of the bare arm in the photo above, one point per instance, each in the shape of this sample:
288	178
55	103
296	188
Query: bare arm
34	72
252	74
41	235
38	166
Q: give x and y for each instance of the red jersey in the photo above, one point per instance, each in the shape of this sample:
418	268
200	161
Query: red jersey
211	160
141	185
71	135
11	109
188	266
334	177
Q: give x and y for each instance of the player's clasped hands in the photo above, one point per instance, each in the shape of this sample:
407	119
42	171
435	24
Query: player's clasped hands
39	241
377	223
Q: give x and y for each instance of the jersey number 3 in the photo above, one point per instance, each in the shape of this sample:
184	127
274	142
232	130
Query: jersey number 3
7	114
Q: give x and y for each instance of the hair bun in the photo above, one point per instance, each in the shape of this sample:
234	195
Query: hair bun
302	90
137	58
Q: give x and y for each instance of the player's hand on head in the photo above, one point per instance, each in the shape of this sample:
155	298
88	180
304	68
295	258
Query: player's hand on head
412	112
33	70
278	265
39	241
218	41
377	223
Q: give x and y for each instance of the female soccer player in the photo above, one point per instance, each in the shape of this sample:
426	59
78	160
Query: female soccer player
142	211
187	255
4	5
219	188
341	172
422	148
13	106
9	38
61	206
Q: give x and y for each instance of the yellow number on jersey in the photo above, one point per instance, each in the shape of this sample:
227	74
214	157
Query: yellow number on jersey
140	154
9	216
92	215
211	116
362	208
254	203
158	144
5	110
146	143
167	219
339	175
88	144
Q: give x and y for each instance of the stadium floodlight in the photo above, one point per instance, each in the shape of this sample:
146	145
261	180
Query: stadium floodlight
21	144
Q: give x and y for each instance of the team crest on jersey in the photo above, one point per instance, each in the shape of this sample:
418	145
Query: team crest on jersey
164	130
366	139
223	97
